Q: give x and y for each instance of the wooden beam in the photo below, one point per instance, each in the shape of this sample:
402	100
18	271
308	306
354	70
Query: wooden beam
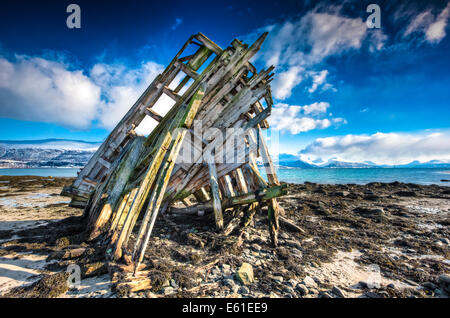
187	70
171	94
150	112
208	43
242	185
265	194
215	194
105	163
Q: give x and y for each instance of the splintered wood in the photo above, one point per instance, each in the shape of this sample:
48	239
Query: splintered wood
205	147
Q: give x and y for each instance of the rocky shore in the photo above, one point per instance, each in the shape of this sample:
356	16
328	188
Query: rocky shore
376	240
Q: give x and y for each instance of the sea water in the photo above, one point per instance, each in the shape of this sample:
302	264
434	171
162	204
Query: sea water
295	175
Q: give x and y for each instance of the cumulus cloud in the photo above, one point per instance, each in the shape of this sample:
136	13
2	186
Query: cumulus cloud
319	80
286	81
38	89
295	47
381	148
296	119
433	27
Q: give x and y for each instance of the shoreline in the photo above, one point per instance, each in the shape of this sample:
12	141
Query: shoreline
374	240
336	176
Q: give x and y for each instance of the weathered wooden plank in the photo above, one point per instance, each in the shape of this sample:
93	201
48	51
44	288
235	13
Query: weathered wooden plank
218	216
265	194
187	70
162	180
141	194
150	112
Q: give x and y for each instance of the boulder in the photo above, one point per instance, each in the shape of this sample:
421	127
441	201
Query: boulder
245	274
366	211
309	282
338	292
444	282
243	290
302	289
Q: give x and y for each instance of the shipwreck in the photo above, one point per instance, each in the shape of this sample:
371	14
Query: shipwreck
131	178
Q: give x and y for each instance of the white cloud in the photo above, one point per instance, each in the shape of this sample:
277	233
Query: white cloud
284	82
436	31
296	119
38	89
35	89
432	27
319	78
381	148
295	47
316	108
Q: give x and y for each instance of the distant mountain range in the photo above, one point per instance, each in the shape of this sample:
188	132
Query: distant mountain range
46	153
292	161
52	153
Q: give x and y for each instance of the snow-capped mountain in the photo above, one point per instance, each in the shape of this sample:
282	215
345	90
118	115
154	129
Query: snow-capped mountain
293	161
45	153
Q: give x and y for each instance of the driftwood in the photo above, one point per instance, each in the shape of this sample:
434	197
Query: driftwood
290	225
131	177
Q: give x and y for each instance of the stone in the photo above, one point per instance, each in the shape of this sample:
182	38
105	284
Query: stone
244	290
168	290
292	283
278	279
288	290
338	292
302	289
256	247
384	294
325	295
439	292
174	284
365	211
429	285
309	282
391	285
245	274
297	254
284	236
444	282
444	279
313	291
294	244
229	283
226	269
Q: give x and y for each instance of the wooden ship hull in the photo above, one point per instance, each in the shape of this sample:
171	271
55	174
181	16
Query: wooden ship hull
133	177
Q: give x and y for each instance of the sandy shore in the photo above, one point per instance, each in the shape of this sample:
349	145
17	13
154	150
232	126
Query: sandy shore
378	240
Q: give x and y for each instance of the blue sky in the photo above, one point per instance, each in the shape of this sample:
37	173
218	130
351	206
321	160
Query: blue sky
342	90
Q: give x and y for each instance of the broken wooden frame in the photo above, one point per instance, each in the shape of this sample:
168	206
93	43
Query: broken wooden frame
132	177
